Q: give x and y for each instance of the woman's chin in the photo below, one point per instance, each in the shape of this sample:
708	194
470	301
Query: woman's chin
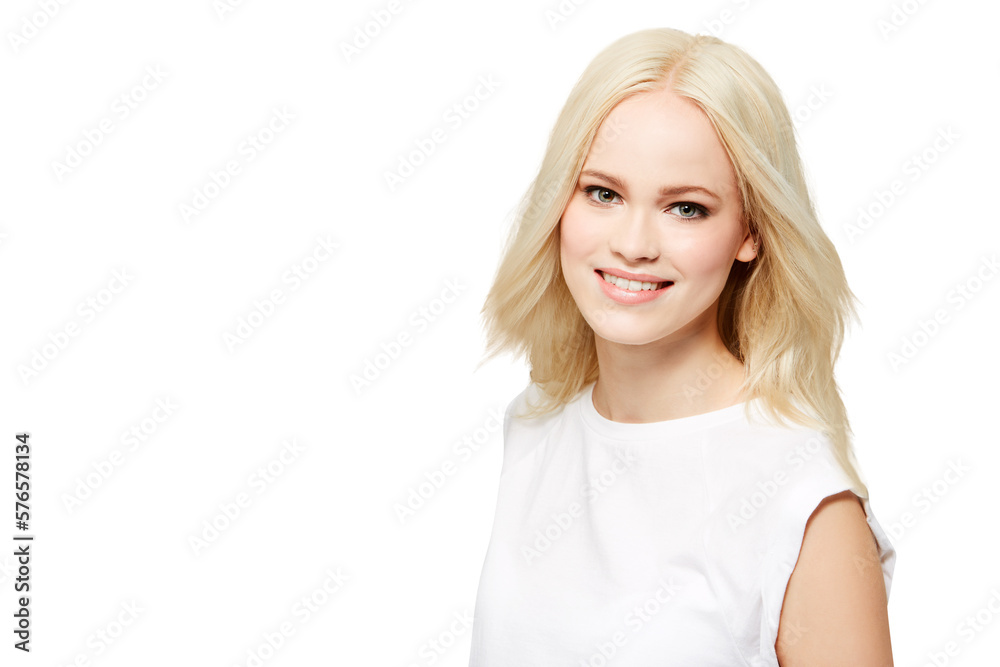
626	336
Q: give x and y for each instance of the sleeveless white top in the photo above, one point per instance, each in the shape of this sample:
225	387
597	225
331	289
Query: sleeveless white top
663	543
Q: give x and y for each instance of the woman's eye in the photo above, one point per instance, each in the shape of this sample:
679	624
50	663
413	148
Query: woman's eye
604	195
689	210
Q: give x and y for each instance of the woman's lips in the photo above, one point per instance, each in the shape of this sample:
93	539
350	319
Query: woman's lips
641	277
633	281
645	292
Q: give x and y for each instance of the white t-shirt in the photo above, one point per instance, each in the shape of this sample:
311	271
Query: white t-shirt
664	543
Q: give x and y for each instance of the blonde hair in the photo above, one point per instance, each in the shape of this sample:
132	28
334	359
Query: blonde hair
783	315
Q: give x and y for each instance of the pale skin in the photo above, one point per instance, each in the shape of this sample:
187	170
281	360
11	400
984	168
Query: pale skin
654	356
834	613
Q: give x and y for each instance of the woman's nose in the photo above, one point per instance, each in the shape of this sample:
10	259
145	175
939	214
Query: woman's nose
635	236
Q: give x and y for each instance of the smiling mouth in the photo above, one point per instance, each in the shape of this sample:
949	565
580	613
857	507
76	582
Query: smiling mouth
633	285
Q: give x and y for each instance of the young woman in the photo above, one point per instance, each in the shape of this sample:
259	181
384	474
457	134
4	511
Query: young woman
678	485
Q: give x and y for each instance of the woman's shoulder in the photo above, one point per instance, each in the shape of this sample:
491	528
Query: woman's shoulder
770	475
534	406
750	450
766	488
531	416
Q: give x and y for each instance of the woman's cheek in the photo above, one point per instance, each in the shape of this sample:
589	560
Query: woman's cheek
702	256
576	239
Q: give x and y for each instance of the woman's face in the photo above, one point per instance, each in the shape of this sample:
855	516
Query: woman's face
657	202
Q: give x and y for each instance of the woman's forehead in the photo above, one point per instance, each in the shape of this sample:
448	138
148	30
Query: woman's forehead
657	139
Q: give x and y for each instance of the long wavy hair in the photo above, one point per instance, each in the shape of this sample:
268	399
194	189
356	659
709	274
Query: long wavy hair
782	315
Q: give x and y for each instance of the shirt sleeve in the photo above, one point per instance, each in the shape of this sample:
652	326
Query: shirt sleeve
819	476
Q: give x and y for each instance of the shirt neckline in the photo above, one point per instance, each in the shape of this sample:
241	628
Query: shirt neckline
655	430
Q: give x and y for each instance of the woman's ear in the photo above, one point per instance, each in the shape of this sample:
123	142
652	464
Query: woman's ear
747	251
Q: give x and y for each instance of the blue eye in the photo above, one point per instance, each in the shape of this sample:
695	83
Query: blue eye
689	210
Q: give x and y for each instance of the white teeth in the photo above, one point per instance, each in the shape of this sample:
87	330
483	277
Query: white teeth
630	285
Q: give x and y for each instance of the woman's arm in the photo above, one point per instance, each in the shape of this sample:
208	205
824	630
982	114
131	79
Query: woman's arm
834	612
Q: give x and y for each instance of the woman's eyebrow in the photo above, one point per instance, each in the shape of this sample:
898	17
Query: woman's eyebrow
666	191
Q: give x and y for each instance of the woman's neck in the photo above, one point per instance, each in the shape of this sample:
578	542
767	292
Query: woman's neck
666	380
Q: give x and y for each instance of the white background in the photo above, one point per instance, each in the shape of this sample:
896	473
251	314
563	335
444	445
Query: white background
190	282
